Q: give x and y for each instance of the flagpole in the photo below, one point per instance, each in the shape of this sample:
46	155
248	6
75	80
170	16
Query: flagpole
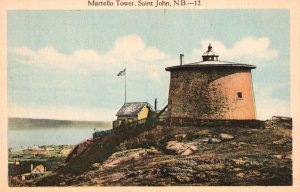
121	73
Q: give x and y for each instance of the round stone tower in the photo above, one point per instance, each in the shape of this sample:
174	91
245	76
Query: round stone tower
211	90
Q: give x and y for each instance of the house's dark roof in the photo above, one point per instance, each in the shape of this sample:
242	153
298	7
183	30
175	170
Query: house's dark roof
132	109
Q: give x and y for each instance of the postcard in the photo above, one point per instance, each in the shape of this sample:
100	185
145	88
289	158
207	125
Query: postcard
134	95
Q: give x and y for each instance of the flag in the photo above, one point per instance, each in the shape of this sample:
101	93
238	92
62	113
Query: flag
122	72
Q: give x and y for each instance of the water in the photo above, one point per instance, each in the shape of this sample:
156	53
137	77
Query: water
48	136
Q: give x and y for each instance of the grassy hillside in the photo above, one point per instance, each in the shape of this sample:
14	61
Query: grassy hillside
168	155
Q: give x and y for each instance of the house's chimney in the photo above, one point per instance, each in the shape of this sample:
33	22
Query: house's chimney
181	59
155	104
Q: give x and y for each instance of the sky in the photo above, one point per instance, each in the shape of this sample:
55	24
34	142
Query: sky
64	64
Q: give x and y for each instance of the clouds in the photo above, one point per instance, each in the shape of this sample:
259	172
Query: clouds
129	50
248	49
132	51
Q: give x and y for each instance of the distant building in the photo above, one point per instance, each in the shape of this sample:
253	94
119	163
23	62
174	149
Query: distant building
211	90
49	148
26	176
40	152
34	147
39	169
132	112
35	172
65	151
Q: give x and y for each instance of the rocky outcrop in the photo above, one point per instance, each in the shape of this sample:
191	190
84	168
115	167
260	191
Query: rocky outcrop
127	156
181	148
181	156
225	136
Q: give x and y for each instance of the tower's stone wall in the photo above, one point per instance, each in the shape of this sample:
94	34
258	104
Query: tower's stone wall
211	93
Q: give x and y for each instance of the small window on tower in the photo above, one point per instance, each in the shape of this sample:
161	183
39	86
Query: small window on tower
239	95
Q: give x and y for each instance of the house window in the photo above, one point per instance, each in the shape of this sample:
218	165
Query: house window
239	95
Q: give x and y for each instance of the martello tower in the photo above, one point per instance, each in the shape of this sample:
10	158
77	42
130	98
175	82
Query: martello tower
211	90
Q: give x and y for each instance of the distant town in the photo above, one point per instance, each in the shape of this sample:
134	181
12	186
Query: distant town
26	163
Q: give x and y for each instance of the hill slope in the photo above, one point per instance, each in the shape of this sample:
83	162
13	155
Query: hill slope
181	156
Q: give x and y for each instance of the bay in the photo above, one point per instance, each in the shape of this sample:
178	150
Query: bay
48	136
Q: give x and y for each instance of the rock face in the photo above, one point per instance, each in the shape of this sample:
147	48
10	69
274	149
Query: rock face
181	148
180	137
127	156
224	136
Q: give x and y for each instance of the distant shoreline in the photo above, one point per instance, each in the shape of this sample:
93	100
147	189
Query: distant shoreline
16	123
